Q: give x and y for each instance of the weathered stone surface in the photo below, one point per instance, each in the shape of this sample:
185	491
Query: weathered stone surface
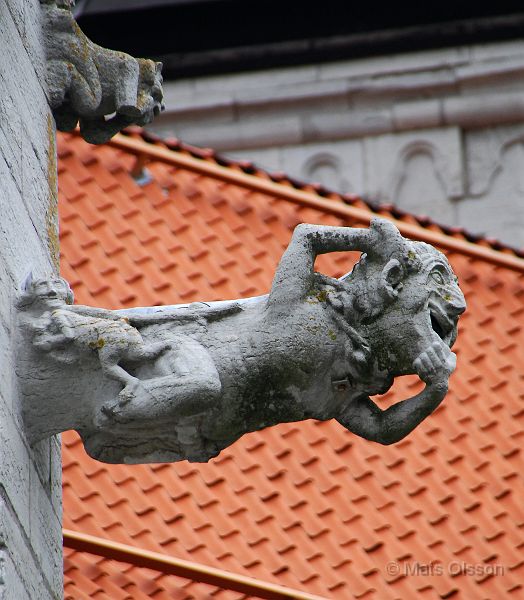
30	475
102	90
184	382
23	577
30	508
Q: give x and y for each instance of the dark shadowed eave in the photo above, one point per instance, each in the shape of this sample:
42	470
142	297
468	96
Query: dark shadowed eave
194	37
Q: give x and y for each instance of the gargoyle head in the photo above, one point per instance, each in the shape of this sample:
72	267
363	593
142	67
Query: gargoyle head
51	293
404	297
150	94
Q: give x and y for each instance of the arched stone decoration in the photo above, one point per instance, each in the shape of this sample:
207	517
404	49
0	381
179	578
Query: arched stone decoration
419	187
102	90
184	382
498	207
325	168
420	181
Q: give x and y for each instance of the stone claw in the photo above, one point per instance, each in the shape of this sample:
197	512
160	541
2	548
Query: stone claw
111	410
128	393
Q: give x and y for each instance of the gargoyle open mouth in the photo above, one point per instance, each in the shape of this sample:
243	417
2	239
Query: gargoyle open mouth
441	324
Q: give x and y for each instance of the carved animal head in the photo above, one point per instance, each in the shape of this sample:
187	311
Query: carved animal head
150	94
402	296
103	90
49	291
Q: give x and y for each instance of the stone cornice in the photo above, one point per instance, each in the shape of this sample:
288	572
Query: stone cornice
466	87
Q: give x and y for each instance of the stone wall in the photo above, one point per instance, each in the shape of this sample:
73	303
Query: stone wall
438	133
30	478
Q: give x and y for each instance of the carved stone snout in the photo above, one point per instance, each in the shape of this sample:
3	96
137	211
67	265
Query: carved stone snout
102	90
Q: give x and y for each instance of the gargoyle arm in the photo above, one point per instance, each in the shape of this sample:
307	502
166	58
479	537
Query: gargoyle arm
294	276
365	419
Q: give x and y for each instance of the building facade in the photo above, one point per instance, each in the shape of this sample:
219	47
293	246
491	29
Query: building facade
436	133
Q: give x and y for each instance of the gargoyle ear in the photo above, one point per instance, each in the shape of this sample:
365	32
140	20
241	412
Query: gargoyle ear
392	276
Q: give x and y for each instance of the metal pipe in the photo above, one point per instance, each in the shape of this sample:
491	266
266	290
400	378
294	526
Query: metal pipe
82	542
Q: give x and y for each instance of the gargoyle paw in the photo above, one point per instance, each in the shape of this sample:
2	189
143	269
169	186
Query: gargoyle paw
128	393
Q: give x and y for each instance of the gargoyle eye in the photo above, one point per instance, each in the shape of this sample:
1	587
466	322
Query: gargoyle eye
437	277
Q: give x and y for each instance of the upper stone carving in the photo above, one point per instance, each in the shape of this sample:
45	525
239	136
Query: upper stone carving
103	90
184	382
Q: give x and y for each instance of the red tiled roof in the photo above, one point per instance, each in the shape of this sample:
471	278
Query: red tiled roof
305	505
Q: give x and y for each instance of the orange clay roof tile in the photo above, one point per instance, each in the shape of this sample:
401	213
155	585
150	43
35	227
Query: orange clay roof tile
307	505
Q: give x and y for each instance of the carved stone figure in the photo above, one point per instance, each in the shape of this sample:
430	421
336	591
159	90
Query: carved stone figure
205	374
68	332
103	90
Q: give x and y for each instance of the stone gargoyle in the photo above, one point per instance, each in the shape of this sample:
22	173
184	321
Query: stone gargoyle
102	90
181	382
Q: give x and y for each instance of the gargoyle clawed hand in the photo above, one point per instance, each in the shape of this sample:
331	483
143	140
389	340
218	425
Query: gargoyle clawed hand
435	365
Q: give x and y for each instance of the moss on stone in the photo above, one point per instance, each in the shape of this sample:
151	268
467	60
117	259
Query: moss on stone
51	217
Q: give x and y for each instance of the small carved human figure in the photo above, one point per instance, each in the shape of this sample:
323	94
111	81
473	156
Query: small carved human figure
61	326
103	90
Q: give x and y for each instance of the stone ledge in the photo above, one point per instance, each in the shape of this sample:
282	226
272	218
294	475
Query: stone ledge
350	99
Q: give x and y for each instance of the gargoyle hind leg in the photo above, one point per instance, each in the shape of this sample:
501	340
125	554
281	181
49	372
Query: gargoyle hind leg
59	73
126	87
188	385
109	359
148	351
